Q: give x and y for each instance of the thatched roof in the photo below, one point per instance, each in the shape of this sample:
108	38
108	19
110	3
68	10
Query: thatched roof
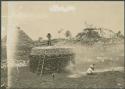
51	50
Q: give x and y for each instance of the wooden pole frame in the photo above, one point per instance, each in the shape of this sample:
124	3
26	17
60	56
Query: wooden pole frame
41	73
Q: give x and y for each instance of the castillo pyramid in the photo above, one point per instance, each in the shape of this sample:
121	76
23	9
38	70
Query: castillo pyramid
23	39
3	41
3	48
23	46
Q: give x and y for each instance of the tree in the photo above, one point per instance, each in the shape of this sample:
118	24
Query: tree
40	39
59	32
92	34
119	34
68	34
89	35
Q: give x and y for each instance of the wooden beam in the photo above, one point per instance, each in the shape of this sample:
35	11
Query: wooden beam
41	73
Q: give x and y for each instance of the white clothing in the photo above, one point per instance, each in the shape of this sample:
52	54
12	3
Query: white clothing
89	71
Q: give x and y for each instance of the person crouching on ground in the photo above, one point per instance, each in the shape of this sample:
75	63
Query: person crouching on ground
91	69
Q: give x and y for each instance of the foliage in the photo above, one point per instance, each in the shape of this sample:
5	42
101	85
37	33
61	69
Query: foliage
89	35
68	34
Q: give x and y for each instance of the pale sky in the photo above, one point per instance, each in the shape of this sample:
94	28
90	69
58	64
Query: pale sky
37	18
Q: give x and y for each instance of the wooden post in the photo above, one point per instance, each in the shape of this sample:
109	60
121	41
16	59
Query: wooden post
41	73
70	60
39	63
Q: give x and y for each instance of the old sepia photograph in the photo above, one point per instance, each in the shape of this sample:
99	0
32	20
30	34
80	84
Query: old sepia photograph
62	44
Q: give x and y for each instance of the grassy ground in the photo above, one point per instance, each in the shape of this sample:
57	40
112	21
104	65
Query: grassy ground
109	79
26	79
